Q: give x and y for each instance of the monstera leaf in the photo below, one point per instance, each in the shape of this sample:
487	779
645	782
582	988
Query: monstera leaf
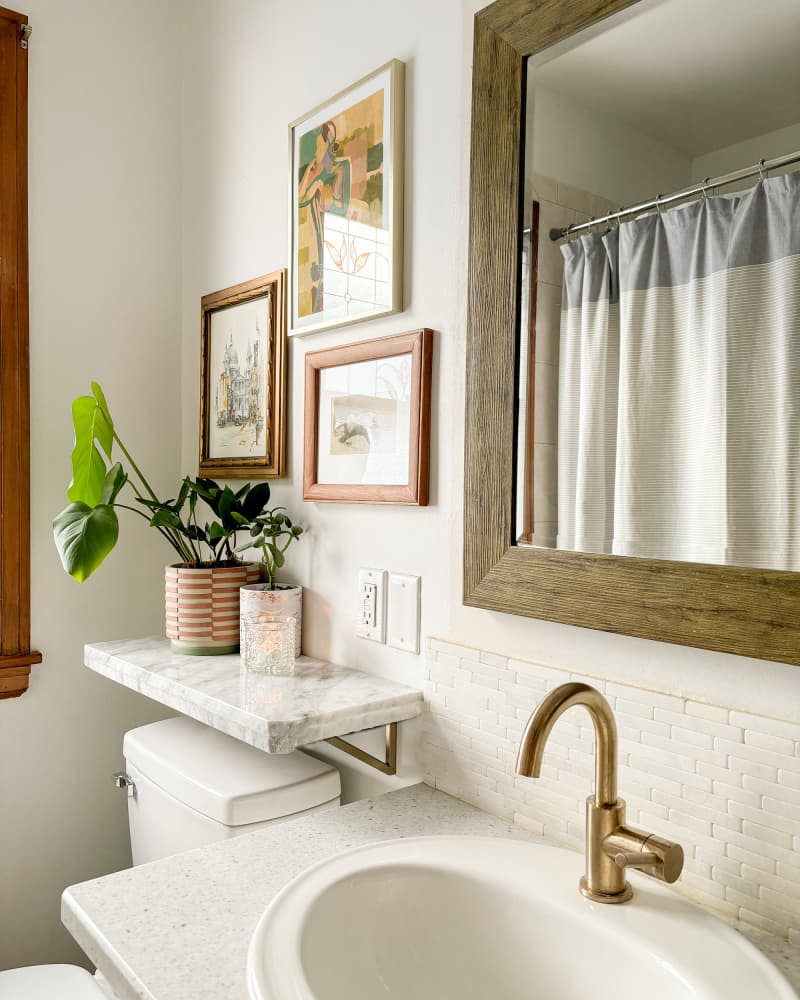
116	477
84	536
93	427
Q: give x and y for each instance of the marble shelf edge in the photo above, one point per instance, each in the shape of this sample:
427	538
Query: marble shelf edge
381	703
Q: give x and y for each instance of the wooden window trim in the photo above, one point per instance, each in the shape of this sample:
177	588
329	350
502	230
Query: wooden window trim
16	655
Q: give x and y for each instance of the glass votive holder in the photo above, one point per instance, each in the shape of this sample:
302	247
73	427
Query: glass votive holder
267	647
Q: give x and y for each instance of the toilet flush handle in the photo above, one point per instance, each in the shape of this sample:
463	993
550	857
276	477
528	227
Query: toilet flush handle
123	780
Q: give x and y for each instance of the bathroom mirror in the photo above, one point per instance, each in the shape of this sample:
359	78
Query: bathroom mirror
633	405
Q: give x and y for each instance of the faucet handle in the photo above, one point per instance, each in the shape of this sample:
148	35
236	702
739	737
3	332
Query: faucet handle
634	859
631	848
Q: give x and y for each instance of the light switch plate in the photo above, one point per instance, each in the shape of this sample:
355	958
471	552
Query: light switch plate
403	612
371	605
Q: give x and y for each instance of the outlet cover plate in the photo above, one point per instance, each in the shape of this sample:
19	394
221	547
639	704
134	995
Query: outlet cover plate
403	613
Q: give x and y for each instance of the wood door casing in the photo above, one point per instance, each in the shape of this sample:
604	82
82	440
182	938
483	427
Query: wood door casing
16	656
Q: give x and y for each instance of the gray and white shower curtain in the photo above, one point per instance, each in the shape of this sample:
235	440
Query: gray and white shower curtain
679	383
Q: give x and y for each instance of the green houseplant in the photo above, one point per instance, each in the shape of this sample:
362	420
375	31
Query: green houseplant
272	533
202	600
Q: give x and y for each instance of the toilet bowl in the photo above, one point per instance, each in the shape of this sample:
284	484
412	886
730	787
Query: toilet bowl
49	982
189	785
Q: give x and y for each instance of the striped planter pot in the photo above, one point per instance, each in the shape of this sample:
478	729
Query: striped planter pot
202	607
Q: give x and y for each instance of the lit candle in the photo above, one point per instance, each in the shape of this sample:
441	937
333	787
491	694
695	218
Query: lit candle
268	646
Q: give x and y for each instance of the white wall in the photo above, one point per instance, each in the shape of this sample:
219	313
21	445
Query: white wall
104	241
245	78
596	152
250	68
748	152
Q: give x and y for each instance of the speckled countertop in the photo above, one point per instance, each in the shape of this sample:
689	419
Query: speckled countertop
179	929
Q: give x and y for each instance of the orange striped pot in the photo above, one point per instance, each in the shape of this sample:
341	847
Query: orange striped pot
202	607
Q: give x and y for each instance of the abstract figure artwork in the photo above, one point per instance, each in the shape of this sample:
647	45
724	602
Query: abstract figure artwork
346	205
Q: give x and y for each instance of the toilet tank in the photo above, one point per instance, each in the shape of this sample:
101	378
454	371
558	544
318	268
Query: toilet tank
194	785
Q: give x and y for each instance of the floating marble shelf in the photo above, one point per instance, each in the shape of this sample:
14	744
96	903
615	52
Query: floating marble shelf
275	714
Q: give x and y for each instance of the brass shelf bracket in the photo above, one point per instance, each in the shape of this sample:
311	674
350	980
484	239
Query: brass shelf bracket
386	766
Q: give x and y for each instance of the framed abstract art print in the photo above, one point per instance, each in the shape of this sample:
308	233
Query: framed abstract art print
367	421
243	380
346	206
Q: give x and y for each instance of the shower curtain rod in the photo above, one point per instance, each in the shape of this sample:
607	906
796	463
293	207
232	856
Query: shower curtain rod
660	201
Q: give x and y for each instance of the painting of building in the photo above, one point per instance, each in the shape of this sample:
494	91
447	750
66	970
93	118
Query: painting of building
238	379
239	388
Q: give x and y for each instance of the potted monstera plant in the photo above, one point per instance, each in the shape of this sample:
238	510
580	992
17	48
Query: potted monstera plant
202	525
272	533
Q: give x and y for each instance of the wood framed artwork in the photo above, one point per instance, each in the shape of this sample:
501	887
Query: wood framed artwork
346	205
243	380
367	421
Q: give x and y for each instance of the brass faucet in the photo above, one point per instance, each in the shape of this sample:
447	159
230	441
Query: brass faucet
611	846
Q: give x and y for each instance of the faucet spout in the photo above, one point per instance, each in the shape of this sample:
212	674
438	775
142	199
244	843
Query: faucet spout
611	845
540	724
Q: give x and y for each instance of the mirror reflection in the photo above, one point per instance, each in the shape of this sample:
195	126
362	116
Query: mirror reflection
659	385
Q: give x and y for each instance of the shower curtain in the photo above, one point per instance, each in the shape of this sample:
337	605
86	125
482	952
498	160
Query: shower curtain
679	383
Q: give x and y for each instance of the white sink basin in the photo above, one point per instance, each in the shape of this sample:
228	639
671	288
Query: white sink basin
463	918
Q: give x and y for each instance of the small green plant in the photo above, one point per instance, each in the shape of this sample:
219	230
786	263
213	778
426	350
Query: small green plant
272	533
87	530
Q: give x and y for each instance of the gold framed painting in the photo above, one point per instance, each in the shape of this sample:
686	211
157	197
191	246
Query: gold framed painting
346	206
243	380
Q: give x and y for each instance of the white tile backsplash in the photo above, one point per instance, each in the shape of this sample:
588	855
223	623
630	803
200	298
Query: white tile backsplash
724	784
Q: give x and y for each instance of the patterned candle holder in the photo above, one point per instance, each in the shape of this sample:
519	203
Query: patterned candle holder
267	647
259	601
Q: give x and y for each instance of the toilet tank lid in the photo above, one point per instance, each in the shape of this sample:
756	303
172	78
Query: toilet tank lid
225	779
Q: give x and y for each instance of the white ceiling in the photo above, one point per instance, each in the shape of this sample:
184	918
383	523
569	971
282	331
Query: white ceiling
697	74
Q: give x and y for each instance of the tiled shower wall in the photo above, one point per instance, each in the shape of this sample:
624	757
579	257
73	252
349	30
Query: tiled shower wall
724	784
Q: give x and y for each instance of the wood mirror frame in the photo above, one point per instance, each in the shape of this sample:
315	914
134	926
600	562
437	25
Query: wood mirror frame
752	612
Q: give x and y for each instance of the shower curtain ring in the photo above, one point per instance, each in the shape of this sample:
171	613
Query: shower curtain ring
763	173
705	188
658	203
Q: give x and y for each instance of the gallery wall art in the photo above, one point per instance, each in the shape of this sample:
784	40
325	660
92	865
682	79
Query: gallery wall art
367	421
243	380
346	205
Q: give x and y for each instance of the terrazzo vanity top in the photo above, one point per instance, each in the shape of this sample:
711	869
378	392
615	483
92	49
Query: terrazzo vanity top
179	929
275	714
